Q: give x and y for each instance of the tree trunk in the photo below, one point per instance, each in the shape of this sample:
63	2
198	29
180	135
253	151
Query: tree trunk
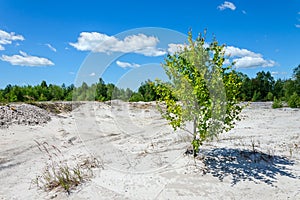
195	135
195	127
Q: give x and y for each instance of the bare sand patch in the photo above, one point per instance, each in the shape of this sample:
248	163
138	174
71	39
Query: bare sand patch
143	158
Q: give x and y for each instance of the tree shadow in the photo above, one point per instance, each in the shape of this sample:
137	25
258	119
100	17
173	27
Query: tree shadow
244	165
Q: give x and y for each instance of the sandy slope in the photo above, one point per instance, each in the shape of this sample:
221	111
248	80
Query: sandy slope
144	159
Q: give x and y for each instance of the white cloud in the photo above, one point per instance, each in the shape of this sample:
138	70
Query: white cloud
92	74
26	60
244	12
126	64
237	52
98	42
227	62
278	73
297	25
252	62
244	58
227	5
7	38
173	48
51	47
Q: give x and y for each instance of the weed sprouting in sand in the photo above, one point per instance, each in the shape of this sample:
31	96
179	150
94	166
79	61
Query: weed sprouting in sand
60	174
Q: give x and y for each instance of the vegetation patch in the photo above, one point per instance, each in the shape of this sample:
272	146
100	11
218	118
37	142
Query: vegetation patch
277	103
58	173
294	101
262	87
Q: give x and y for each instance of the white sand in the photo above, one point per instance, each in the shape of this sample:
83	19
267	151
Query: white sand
143	158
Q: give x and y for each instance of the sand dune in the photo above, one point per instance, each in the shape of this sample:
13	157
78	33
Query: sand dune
141	156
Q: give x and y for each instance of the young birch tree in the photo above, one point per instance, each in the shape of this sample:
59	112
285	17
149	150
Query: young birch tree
202	91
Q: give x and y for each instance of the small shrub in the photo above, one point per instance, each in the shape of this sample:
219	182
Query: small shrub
270	96
294	101
277	103
60	174
256	96
136	97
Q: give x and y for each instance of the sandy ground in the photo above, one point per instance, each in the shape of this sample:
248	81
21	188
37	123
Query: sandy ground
143	158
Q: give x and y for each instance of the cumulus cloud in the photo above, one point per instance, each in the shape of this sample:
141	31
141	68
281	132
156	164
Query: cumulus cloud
126	64
244	58
252	62
227	5
26	60
98	42
237	52
7	38
51	47
173	48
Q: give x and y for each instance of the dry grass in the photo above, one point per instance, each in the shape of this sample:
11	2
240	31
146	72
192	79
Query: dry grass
59	174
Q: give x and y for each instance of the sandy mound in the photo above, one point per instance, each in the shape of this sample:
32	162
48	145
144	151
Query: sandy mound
22	114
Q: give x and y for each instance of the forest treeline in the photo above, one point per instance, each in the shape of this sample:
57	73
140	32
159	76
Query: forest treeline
263	87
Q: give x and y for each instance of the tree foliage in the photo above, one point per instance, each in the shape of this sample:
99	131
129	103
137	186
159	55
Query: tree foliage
99	91
262	87
206	91
294	101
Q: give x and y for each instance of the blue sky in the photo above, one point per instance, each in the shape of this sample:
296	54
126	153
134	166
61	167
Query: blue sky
72	41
